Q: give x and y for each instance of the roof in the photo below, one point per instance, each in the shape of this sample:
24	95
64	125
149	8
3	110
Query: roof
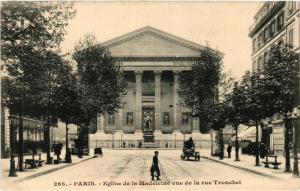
151	30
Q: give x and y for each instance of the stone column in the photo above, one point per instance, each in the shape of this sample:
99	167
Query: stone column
157	100
138	99
176	104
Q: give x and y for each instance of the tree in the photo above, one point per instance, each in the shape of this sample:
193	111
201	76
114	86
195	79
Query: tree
67	101
256	108
235	111
29	30
198	88
281	74
221	107
101	82
37	25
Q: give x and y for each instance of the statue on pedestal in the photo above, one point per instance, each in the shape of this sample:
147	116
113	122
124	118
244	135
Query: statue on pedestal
148	121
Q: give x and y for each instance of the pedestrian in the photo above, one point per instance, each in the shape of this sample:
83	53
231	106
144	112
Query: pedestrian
140	144
229	148
70	146
190	143
53	146
263	150
59	148
154	167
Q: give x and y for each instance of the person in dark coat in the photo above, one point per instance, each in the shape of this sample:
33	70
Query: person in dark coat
190	143
229	148
155	167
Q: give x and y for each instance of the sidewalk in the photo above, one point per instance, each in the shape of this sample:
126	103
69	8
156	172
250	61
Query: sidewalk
45	169
247	163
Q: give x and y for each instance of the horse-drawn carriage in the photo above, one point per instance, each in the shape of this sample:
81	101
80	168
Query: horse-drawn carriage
188	152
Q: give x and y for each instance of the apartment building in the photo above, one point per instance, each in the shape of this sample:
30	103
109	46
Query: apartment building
276	22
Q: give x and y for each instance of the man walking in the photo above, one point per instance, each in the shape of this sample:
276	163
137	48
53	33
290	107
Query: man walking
154	167
229	148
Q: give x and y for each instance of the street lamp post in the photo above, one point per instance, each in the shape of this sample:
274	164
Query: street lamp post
221	140
12	169
295	118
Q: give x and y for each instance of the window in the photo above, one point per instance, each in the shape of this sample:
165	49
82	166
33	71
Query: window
265	35
291	36
259	40
259	63
254	45
280	21
272	29
111	120
254	67
291	7
129	119
266	57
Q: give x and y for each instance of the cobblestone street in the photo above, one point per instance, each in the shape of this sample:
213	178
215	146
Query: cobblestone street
117	167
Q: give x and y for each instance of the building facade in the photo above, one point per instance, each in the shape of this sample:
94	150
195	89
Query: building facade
276	22
151	60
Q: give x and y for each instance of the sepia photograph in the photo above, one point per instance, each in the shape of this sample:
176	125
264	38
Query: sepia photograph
150	95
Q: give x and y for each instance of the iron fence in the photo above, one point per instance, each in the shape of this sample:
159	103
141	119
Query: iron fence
167	144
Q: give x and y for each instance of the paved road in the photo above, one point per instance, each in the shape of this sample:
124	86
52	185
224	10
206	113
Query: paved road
132	166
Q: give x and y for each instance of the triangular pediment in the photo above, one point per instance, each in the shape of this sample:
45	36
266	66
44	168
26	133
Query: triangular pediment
149	41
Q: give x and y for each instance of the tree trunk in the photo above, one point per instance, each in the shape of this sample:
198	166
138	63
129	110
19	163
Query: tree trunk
212	144
21	143
47	141
286	144
237	158
67	137
12	169
256	146
68	158
295	153
221	142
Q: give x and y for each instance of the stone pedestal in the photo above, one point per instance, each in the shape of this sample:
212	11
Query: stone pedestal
148	136
149	140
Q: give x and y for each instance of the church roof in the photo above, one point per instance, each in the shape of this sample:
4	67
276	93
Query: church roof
158	33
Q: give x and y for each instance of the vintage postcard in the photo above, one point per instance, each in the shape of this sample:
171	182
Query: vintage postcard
150	95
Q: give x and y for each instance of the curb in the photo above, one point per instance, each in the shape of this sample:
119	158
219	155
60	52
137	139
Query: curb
243	168
50	170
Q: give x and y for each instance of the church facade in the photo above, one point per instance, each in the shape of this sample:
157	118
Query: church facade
151	60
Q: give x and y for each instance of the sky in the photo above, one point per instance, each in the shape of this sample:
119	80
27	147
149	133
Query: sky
221	25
